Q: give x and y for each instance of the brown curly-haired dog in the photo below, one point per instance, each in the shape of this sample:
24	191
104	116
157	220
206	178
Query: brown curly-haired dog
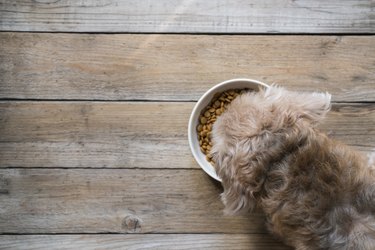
316	193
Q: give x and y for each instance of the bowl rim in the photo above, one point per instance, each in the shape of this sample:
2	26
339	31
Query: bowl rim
198	103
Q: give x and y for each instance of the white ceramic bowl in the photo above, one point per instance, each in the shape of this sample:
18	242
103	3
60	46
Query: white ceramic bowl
201	104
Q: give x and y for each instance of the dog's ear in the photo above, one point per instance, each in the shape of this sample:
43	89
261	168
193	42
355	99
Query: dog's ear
313	106
242	172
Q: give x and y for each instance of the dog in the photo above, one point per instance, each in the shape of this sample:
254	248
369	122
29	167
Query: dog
315	192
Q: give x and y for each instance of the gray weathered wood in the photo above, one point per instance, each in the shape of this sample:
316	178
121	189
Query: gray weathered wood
95	134
115	201
129	134
129	170
172	67
250	16
142	242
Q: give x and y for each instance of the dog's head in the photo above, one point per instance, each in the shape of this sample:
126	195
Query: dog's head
257	130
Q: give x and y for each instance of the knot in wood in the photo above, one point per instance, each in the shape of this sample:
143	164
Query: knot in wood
132	224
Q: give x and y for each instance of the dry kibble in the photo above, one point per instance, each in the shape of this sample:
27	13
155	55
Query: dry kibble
203	120
199	128
216	95
216	107
216	104
212	120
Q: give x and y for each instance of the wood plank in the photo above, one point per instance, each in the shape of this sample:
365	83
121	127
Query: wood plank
95	134
215	16
129	134
42	201
136	242
175	67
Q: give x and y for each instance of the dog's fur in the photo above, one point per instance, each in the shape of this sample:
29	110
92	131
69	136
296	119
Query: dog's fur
316	193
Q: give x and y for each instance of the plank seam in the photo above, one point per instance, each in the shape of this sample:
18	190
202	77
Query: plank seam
91	168
89	100
138	101
119	233
202	33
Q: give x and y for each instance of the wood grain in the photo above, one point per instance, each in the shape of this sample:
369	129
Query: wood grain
129	134
95	134
42	201
86	164
142	242
180	68
215	16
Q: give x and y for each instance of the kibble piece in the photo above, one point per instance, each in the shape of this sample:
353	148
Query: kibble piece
212	120
216	95
199	128
207	114
203	120
218	112
216	104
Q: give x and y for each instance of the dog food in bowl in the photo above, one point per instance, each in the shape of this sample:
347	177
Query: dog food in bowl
200	108
208	116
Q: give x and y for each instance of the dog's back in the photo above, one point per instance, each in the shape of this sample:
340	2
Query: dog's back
316	193
358	233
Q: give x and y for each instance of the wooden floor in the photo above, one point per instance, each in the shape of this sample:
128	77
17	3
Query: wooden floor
95	98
